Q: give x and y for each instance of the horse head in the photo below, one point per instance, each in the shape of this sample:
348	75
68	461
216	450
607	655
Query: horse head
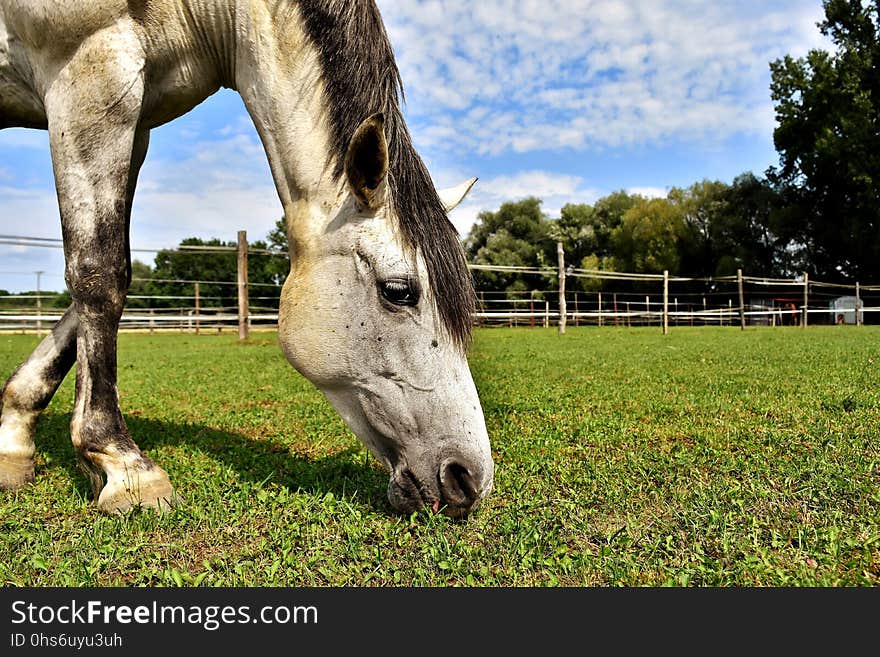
362	318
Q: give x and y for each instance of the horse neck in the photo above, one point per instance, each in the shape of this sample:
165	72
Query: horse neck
278	75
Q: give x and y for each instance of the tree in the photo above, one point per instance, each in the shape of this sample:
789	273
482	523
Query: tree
730	227
755	235
608	215
828	138
649	238
704	242
576	229
516	235
279	266
218	271
586	234
142	285
585	230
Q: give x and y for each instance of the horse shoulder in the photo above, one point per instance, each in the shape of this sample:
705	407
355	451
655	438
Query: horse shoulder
41	38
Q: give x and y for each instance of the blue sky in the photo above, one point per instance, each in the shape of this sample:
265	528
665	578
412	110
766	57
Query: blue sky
564	100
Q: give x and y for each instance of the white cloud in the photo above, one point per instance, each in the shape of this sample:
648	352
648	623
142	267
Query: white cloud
557	74
555	190
219	187
29	212
649	192
531	183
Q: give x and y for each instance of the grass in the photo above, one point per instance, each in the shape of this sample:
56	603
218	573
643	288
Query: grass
710	457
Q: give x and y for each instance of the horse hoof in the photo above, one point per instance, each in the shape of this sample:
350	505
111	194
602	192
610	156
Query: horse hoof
148	489
15	472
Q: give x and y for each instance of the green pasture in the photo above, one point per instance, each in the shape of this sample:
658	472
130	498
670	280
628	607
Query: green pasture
710	457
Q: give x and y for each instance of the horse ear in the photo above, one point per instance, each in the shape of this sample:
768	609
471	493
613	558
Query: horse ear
454	195
366	162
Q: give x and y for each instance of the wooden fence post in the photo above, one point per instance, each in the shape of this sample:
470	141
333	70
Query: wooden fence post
665	302
531	309
562	310
806	297
600	310
742	304
242	285
198	309
39	306
858	304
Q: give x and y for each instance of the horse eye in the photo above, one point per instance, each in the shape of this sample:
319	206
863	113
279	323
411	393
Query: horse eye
400	291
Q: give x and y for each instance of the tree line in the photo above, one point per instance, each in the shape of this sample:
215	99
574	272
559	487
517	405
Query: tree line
708	230
174	272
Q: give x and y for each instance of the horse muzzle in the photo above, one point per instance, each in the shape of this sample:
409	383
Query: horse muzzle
453	484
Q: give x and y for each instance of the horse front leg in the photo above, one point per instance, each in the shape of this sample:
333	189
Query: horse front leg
26	394
94	108
31	387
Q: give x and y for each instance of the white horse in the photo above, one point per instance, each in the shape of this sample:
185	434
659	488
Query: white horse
376	309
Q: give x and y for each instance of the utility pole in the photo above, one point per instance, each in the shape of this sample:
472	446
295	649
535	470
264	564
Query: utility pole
39	305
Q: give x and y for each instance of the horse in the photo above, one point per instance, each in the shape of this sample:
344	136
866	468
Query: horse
376	309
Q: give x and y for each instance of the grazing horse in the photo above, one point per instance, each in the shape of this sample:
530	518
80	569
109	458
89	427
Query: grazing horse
376	309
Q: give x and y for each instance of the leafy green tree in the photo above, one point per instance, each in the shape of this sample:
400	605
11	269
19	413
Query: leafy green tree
730	227
586	234
218	271
608	215
703	209
62	300
828	113
142	285
576	229
279	266
755	235
649	238
516	235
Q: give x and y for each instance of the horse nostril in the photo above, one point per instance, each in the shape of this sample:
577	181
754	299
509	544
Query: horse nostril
457	485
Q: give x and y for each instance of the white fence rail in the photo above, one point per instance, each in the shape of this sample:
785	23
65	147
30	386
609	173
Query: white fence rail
205	321
801	301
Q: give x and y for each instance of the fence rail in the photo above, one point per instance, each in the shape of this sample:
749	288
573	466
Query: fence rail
662	300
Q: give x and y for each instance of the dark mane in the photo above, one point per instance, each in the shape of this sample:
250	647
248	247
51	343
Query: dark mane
361	78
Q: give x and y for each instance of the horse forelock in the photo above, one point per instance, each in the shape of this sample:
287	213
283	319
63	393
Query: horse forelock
361	78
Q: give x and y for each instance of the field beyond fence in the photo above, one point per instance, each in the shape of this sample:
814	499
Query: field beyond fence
707	457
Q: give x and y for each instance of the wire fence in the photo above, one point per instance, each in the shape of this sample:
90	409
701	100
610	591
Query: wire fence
624	300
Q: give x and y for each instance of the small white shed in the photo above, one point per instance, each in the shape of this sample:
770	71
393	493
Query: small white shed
843	310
